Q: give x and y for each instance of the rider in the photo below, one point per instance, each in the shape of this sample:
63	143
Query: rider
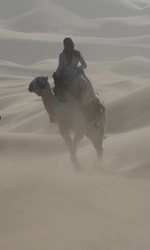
69	59
70	73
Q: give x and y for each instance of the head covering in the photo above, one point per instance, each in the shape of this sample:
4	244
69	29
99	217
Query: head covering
68	43
68	46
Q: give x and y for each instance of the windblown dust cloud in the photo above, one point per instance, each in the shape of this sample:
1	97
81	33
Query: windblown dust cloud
44	204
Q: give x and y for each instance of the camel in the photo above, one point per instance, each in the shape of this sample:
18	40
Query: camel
70	117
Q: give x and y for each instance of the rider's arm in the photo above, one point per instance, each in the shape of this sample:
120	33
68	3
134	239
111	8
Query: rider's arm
82	61
60	65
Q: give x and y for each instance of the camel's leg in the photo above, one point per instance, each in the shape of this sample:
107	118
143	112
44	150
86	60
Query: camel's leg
96	135
75	161
72	148
77	138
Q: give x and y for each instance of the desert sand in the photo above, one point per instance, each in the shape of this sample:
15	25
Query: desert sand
44	203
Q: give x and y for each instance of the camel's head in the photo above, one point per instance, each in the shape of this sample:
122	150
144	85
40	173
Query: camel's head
38	84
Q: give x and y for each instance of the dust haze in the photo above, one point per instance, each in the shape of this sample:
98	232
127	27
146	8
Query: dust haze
44	203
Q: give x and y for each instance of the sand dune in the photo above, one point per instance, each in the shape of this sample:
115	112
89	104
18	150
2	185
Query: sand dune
123	26
42	68
133	66
107	8
135	107
45	204
8	8
53	19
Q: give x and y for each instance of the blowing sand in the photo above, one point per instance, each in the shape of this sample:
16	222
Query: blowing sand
44	204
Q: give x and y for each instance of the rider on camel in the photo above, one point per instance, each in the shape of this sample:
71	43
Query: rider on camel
71	76
69	73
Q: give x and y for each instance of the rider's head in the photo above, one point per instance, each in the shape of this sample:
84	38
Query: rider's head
68	44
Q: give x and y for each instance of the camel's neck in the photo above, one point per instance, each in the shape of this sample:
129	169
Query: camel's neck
49	101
